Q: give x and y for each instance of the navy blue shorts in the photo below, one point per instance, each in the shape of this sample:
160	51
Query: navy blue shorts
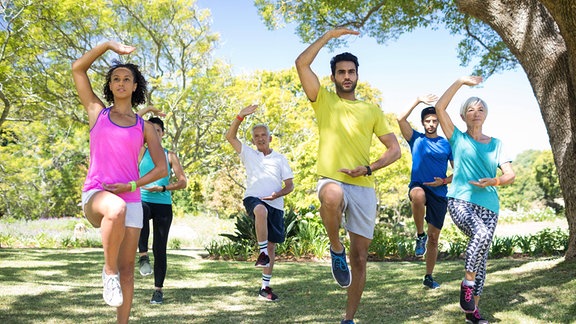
276	232
436	206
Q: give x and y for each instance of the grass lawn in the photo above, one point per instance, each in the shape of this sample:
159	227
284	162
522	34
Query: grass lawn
64	286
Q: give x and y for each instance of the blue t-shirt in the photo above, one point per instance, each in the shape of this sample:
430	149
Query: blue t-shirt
472	161
430	158
146	164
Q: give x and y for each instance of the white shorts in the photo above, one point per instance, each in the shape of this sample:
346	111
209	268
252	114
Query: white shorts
134	213
359	207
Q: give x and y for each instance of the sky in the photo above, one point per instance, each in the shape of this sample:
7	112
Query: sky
421	62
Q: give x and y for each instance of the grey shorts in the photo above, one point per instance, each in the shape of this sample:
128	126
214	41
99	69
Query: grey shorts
359	207
134	213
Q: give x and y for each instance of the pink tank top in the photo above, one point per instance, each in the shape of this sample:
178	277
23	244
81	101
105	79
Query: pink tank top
114	154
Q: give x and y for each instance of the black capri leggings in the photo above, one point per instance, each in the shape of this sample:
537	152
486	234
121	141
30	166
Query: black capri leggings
161	216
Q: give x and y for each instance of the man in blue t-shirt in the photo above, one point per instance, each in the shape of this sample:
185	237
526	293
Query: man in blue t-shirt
427	188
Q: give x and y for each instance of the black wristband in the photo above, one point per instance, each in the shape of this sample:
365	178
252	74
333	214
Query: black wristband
163	188
368	170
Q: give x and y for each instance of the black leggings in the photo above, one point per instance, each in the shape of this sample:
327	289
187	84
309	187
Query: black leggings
161	216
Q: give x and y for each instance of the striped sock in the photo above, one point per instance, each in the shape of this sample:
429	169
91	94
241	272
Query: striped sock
266	280
263	247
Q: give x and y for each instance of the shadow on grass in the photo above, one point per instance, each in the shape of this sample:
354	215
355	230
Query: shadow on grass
64	286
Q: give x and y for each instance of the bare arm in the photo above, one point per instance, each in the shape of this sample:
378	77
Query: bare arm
392	154
442	104
231	134
155	111
308	78
405	127
506	178
288	188
80	67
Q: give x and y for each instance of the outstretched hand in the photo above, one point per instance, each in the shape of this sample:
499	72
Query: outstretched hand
121	48
338	32
356	172
436	183
156	112
248	110
471	80
428	99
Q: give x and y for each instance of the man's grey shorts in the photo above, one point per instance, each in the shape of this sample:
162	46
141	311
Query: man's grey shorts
359	207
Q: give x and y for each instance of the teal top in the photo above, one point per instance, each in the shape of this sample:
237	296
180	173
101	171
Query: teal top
145	166
472	161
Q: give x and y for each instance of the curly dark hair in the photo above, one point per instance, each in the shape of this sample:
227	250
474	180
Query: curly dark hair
138	96
343	57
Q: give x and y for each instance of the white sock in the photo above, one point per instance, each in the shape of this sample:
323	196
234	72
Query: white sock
263	247
266	280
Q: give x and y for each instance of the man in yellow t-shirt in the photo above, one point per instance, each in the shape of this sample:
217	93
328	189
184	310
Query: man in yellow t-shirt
345	186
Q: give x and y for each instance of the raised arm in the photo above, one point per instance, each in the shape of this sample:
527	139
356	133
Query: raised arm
151	109
405	127
231	134
308	78
80	67
443	117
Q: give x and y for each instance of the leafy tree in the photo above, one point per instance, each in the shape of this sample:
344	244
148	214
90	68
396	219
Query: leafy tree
538	35
546	177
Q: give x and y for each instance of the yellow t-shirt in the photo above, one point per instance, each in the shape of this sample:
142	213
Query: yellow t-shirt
346	129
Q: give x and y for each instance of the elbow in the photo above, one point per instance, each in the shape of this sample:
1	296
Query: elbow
397	153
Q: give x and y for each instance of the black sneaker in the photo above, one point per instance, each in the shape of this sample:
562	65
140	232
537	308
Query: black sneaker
475	318
263	260
340	270
467	298
157	297
268	295
430	283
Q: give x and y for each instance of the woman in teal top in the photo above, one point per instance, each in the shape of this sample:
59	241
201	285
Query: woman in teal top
157	206
472	198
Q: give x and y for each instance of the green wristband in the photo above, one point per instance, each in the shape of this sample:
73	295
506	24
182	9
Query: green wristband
133	184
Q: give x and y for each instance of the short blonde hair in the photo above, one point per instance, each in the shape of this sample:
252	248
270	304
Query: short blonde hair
470	102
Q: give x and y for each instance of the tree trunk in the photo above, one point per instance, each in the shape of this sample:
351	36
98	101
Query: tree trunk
542	36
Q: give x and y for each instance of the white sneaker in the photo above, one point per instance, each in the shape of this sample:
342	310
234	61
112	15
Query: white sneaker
112	291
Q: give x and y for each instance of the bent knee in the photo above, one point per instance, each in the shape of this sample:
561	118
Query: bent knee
331	195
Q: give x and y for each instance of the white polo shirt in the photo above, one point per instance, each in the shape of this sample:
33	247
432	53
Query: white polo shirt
265	174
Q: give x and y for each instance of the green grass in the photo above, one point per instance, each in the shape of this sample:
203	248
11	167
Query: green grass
64	286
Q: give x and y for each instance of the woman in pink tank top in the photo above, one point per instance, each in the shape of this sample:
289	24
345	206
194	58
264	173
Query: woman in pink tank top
111	198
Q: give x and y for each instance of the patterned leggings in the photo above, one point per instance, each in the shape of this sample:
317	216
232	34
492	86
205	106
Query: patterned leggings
479	224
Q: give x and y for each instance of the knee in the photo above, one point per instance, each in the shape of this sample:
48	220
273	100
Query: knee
358	260
116	211
331	197
418	196
432	239
260	211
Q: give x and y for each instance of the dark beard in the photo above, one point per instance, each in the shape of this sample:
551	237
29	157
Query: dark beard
340	88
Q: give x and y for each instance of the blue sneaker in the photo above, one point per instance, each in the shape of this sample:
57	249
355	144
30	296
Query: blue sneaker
345	321
430	283
421	246
340	270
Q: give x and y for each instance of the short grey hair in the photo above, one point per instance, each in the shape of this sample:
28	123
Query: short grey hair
470	102
261	125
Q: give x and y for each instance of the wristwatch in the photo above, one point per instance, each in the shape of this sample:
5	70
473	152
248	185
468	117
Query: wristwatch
368	171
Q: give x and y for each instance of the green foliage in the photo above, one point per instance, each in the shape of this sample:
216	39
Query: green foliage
502	247
547	179
388	20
